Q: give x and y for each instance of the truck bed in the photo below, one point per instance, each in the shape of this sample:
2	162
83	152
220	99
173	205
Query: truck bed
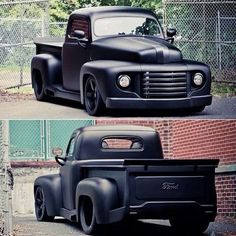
160	188
48	45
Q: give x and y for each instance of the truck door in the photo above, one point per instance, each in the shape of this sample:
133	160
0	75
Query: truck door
74	55
70	176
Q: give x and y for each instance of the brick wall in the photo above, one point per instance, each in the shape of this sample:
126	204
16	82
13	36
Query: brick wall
204	138
200	139
226	194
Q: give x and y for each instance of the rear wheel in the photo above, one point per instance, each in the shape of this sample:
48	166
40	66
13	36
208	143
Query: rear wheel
92	97
190	226
40	206
38	86
87	216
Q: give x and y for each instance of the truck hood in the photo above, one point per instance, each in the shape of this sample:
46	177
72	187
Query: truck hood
135	49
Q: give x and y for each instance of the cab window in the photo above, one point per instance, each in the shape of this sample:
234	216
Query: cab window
70	149
79	24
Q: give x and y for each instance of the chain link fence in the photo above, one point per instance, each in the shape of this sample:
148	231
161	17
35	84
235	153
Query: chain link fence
35	139
206	32
20	22
57	29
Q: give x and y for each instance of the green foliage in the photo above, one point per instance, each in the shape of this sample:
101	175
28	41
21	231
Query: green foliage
154	5
223	89
60	10
28	11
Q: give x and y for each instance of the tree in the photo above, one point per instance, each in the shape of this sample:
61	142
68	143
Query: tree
60	10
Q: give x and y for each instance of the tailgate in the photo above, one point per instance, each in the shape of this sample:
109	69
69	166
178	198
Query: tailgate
171	180
170	187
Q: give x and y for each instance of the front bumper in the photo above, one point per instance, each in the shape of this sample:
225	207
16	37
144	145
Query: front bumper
173	103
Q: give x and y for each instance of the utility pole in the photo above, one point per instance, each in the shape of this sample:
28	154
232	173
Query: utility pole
6	182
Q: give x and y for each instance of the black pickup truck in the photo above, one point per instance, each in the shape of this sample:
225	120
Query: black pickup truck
113	173
118	57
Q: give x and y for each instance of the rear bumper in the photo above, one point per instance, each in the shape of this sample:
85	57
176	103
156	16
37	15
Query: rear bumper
166	210
174	103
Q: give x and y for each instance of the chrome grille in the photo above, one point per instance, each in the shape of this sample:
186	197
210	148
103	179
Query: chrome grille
164	85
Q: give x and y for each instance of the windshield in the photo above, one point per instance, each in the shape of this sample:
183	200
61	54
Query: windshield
127	26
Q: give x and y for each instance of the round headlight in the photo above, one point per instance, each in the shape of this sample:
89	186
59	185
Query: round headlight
124	81
198	79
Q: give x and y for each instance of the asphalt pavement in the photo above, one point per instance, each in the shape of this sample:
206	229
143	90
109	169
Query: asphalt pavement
29	226
221	108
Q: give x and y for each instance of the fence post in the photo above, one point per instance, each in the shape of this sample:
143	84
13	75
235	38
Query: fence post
21	43
219	39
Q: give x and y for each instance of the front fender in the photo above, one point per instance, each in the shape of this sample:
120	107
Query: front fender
104	195
106	73
51	185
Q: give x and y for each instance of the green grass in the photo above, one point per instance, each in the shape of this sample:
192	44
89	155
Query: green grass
12	68
223	89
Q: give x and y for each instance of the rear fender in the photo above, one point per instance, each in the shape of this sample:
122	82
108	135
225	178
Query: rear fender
51	185
49	67
103	193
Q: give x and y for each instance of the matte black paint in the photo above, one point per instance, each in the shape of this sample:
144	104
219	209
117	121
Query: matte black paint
65	65
123	182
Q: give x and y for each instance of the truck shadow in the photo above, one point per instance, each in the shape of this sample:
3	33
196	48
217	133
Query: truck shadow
65	102
137	228
131	112
152	113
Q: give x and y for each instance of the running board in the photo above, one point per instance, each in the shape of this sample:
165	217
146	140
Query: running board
68	214
58	91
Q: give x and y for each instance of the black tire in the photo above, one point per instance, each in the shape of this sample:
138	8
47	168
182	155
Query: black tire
38	86
40	206
189	226
197	109
94	104
87	216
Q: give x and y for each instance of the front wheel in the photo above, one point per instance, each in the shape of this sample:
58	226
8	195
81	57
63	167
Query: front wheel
191	226
40	206
92	97
87	216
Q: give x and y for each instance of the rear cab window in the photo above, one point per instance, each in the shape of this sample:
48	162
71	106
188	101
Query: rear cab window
122	143
79	24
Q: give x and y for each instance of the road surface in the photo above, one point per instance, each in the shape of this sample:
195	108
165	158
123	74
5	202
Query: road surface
28	226
221	108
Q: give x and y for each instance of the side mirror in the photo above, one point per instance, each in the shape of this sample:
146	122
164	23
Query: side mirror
60	160
170	32
57	151
79	34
